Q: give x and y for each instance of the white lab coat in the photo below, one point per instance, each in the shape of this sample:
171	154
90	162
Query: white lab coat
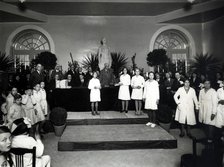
137	94
185	106
207	106
94	93
124	93
151	94
219	120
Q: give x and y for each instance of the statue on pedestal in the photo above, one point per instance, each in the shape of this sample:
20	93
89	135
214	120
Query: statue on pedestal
104	54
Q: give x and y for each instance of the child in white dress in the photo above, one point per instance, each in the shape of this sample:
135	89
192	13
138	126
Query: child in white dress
124	93
15	111
137	84
94	86
40	113
43	102
151	98
29	103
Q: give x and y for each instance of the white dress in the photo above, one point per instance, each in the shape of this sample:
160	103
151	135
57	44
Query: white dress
94	93
37	96
151	94
185	109
219	121
207	106
28	106
25	141
43	102
124	93
137	94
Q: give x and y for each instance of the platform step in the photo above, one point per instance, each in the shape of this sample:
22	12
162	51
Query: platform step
105	118
115	137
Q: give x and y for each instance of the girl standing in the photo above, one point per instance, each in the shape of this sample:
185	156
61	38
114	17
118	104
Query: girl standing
124	93
137	84
39	111
16	111
43	102
151	97
94	86
186	99
29	103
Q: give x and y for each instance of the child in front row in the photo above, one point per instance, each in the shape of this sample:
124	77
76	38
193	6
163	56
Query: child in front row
15	111
94	86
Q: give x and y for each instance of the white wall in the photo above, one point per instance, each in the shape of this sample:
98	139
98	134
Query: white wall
80	35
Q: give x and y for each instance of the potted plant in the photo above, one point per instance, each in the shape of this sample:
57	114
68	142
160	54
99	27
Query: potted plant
164	116
58	118
6	66
119	61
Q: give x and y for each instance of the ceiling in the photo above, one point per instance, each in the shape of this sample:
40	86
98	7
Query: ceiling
209	10
103	8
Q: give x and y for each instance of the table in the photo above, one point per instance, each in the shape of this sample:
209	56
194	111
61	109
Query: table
77	99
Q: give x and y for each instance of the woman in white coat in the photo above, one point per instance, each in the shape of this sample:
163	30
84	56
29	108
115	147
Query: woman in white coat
151	98
124	93
137	84
207	108
219	121
186	101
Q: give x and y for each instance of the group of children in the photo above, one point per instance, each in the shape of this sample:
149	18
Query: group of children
23	118
150	93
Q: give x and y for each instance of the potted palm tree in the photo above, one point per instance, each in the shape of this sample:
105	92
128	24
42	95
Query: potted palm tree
205	63
6	66
58	118
119	61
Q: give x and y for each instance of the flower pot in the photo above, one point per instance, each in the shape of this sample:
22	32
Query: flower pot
59	130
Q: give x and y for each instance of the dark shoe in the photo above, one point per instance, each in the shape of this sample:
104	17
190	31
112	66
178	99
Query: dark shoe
97	113
93	113
121	111
126	111
182	134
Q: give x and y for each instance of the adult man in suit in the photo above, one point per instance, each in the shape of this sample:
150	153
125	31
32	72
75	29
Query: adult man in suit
37	76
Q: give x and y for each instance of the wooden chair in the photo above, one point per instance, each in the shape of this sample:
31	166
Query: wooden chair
19	153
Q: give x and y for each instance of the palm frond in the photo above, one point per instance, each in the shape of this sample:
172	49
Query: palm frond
119	61
91	61
6	62
206	64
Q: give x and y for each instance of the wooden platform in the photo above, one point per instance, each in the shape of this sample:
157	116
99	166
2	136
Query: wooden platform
105	118
112	137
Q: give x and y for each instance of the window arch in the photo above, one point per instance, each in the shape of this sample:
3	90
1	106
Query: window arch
27	44
175	43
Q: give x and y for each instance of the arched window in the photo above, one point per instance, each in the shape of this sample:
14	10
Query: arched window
27	44
175	43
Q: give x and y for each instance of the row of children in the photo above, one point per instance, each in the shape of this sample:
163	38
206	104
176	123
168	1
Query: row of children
32	104
150	94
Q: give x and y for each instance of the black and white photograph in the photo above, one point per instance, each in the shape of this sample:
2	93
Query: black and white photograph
112	83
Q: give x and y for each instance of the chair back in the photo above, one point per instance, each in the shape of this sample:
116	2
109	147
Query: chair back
19	155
